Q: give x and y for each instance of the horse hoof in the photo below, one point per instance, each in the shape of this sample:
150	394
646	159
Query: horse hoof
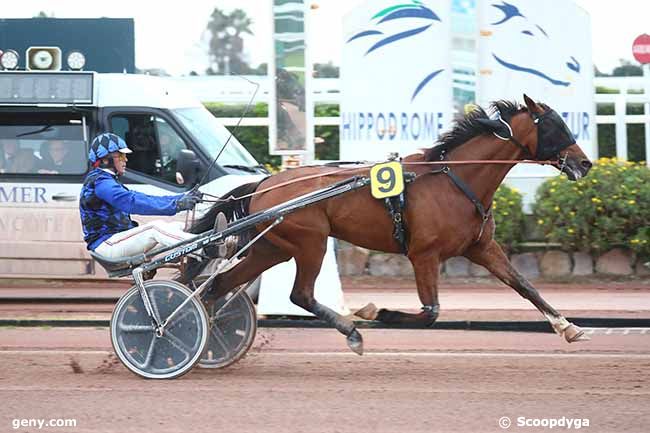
573	334
369	312
355	342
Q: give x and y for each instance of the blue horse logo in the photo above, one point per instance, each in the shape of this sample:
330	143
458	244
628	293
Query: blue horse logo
513	16
415	10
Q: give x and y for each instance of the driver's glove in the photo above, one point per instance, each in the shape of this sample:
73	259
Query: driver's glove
189	200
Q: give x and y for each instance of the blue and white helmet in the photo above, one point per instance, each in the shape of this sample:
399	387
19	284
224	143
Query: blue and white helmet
105	144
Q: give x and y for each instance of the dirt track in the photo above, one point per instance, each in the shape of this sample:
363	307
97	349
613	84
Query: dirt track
298	380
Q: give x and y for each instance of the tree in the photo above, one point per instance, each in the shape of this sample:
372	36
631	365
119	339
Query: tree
326	70
598	73
627	69
226	44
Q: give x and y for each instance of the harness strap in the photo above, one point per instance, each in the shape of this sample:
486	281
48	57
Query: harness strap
485	214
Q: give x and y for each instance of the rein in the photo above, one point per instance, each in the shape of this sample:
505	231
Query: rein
217	199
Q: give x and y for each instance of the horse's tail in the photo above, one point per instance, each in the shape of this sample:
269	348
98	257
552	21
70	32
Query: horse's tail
233	209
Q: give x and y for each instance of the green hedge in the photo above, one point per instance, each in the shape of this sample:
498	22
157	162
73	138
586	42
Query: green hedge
608	208
256	138
508	218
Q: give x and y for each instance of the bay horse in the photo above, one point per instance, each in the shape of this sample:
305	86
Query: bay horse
447	214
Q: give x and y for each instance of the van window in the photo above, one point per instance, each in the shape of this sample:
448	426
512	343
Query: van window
154	142
42	144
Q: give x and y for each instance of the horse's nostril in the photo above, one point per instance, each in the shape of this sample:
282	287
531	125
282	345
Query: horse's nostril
586	163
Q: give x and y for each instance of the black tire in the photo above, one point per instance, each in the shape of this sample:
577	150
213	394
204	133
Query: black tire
231	331
134	339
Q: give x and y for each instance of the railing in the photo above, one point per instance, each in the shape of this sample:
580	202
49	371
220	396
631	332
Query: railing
620	118
235	90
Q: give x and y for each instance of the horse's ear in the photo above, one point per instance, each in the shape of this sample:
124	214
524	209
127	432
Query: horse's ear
532	106
495	126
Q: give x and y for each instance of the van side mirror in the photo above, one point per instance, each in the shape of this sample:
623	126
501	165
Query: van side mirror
187	168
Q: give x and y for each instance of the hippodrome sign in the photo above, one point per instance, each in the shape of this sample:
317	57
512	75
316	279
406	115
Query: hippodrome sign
396	89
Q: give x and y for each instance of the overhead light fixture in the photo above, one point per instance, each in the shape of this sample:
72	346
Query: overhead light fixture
76	60
9	59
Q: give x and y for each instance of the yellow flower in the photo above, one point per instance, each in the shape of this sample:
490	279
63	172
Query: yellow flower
594	181
631	201
504	213
514	190
551	190
557	208
634	241
596	200
572	213
570	231
540	222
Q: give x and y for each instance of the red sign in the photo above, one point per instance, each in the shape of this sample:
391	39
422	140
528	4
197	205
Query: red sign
641	48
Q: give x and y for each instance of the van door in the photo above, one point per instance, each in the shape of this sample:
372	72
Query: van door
42	164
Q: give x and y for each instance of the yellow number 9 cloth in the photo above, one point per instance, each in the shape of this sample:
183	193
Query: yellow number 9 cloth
386	179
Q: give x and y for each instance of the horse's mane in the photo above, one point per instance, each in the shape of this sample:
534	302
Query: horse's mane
468	127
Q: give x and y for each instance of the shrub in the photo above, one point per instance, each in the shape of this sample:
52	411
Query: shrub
508	217
609	208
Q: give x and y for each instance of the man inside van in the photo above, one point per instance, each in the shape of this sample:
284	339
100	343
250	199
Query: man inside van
54	160
15	160
106	206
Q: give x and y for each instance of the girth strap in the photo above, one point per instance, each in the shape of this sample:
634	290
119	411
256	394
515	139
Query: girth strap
396	206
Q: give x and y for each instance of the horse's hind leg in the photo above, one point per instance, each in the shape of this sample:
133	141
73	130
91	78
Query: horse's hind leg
307	268
493	258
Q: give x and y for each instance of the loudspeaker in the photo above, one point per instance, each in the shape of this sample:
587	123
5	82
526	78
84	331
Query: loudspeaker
44	59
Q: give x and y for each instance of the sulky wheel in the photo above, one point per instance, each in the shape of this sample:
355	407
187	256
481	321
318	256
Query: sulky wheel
232	329
177	348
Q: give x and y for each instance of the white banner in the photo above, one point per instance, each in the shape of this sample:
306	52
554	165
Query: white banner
396	83
543	49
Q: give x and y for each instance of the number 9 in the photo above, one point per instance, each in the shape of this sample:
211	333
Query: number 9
386	178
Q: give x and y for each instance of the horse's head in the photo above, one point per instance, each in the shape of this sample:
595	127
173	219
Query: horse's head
551	139
556	65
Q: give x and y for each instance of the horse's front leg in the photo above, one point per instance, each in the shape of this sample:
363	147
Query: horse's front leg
492	257
426	268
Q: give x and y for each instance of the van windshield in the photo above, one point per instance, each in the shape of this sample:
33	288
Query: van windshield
212	136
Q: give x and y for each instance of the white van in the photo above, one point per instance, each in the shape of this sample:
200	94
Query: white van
47	120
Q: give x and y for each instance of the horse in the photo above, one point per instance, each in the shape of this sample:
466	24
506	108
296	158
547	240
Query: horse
447	214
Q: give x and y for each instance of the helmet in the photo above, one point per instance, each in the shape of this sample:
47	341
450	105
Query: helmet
105	144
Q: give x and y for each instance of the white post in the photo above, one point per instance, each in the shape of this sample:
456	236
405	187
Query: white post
646	110
309	87
621	127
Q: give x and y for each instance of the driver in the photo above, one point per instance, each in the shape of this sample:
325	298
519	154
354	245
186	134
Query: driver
106	206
